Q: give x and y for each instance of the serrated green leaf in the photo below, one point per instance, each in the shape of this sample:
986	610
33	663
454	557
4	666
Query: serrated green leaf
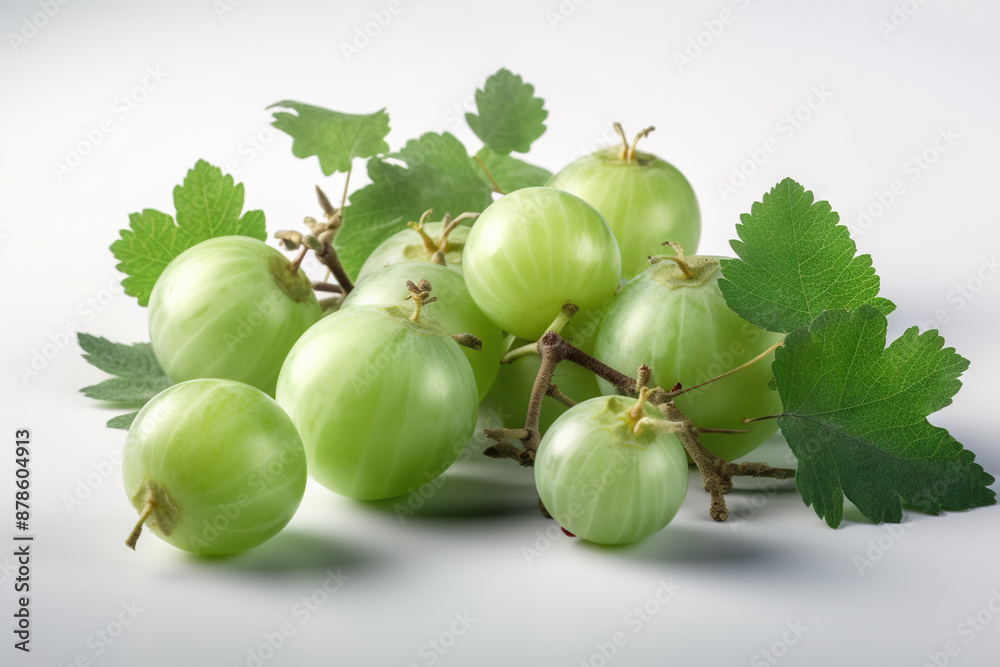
144	250
123	421
335	138
855	416
439	175
510	116
140	377
796	261
129	361
126	390
511	173
208	203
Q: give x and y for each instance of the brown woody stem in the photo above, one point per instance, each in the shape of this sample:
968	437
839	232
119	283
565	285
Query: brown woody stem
716	472
559	396
328	256
562	319
328	287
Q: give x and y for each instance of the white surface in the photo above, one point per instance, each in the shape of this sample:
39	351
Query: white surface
739	584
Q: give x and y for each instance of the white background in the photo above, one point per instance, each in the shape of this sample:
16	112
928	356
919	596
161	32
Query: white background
738	585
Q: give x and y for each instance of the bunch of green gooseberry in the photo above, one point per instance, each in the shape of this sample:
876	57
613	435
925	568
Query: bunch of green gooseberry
379	395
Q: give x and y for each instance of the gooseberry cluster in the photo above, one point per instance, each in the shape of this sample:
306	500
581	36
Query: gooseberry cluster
377	389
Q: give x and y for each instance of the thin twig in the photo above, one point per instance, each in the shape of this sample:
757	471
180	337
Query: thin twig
329	257
559	396
622	383
496	187
716	472
725	431
550	357
566	313
684	390
524	351
506	433
760	419
505	450
328	287
347	181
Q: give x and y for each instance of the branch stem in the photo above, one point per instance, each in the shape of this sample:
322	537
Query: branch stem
347	182
328	287
566	313
684	390
550	357
328	256
725	431
623	384
496	186
506	433
760	419
716	472
524	351
562	319
559	396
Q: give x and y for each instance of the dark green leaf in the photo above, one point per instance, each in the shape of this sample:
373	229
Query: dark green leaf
855	416
335	138
510	173
209	204
136	360
510	116
123	421
795	261
439	175
139	376
126	390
